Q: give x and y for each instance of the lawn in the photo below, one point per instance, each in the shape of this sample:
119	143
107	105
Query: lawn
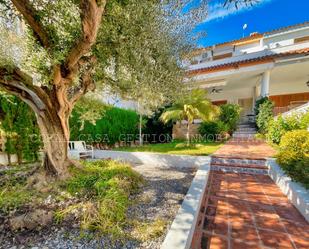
177	148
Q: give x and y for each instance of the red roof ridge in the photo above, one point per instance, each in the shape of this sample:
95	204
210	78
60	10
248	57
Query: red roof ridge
286	28
236	64
255	35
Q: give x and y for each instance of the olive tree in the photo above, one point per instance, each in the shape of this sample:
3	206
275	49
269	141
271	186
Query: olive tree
67	48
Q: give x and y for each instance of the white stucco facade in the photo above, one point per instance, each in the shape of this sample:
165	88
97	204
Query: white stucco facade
272	64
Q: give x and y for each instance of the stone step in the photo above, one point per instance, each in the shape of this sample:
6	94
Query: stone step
236	141
236	165
242	135
246	129
238	161
245	132
246	126
240	170
239	165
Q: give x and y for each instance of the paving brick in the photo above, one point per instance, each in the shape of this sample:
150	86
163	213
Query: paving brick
264	218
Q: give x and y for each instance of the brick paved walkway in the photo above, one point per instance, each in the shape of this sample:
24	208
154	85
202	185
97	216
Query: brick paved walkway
245	211
245	148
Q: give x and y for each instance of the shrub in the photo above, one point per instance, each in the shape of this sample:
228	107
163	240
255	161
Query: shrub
304	121
115	125
258	102
213	128
295	141
294	155
277	128
19	126
230	115
155	127
106	186
265	115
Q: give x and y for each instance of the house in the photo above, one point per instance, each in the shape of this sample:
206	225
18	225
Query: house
273	64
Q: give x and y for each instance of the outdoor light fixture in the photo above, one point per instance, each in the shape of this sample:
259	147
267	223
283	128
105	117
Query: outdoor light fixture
307	83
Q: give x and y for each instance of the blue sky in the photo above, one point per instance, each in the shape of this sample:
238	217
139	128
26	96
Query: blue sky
225	24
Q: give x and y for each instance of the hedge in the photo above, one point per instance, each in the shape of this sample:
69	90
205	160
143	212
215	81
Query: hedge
293	155
264	115
19	126
280	126
115	125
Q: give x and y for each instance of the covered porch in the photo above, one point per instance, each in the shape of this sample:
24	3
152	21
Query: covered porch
285	82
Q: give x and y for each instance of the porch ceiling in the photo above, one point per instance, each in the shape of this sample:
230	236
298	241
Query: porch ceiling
283	72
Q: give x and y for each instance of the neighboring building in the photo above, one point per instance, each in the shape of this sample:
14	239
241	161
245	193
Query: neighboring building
274	64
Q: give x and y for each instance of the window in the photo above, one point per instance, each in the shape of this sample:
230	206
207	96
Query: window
222	56
301	39
205	57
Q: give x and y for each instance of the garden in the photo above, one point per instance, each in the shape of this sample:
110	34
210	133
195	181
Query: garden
102	202
61	63
289	135
58	61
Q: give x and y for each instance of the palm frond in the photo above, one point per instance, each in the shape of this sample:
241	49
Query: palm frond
172	115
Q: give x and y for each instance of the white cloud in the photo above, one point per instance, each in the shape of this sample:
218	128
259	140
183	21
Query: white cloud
218	11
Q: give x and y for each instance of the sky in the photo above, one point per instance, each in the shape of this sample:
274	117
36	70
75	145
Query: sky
225	24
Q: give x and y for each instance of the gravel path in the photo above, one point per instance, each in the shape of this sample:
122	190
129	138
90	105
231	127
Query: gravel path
160	198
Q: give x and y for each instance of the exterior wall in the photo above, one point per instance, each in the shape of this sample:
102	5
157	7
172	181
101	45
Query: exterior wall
157	159
288	99
219	102
284	39
256	46
280	88
180	131
232	96
247	48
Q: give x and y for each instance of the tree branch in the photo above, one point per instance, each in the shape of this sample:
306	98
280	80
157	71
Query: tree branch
18	83
86	85
91	16
29	14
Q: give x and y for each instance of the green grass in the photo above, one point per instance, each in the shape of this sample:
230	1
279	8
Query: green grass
100	191
177	148
14	193
105	187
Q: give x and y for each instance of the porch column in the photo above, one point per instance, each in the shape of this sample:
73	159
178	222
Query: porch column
265	84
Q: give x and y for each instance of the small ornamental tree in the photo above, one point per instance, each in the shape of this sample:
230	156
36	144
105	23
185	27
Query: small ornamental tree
194	105
264	116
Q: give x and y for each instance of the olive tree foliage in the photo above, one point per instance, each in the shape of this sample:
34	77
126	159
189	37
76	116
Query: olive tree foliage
67	48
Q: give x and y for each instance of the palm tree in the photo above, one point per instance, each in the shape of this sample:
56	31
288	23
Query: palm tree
194	105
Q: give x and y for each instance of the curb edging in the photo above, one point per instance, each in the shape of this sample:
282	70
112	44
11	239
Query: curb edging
298	195
182	229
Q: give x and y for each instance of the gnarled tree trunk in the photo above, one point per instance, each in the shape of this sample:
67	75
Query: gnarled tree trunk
55	137
53	103
52	109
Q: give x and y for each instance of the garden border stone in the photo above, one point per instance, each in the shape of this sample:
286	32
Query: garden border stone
297	194
182	229
158	159
180	234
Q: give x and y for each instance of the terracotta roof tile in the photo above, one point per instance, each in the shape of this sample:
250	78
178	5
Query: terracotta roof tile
252	37
299	25
247	62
